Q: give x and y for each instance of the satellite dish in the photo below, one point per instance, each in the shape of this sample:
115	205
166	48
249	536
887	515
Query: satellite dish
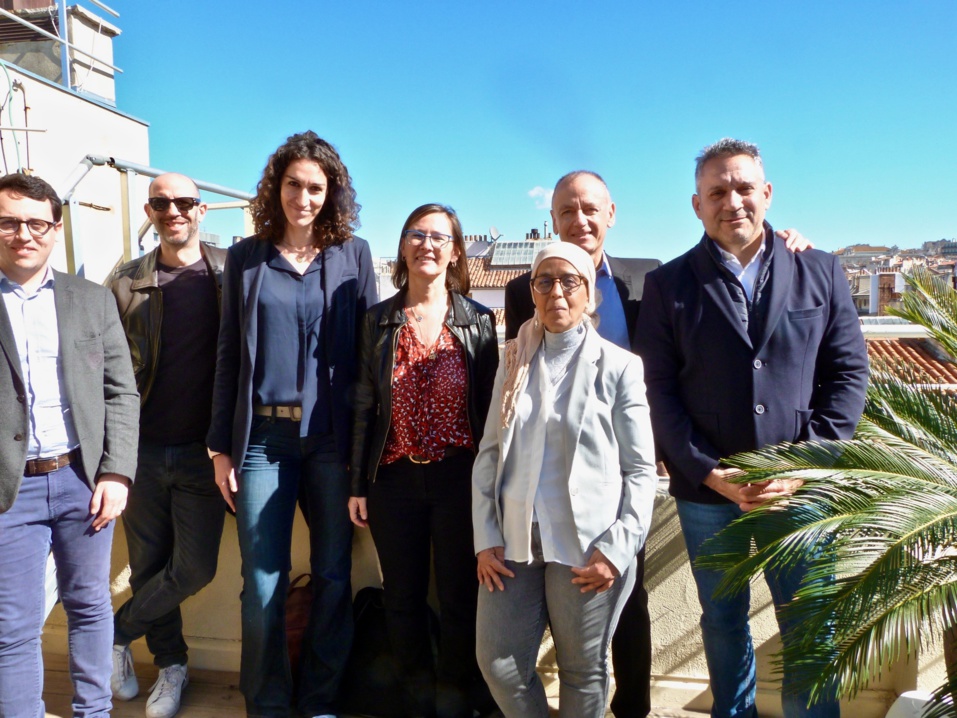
494	233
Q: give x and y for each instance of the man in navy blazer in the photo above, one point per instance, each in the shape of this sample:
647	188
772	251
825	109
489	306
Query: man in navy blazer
744	345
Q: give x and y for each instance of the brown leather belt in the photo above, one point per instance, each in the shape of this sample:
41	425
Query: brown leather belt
45	466
279	412
449	451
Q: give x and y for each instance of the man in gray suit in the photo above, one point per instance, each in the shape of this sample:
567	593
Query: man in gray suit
68	428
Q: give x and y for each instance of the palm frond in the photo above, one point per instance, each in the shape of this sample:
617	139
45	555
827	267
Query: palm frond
918	414
941	704
931	303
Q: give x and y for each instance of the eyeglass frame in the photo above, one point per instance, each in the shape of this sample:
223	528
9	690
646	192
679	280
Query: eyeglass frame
432	236
20	222
560	279
194	202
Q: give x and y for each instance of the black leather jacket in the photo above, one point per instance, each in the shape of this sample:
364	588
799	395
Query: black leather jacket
140	301
471	323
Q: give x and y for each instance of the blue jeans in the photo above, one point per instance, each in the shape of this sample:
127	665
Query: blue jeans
173	522
278	464
725	629
53	511
509	632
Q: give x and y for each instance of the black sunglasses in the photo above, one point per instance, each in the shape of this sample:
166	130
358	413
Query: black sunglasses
183	204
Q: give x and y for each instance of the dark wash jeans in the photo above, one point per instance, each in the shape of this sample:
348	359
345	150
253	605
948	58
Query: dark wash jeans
173	523
53	510
416	510
726	631
278	463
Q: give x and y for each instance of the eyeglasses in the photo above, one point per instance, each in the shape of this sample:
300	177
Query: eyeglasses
183	204
36	227
416	238
570	283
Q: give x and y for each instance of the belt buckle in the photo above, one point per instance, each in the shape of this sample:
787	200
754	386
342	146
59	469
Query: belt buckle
419	459
295	413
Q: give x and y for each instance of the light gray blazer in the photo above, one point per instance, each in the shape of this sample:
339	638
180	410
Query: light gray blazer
609	456
99	382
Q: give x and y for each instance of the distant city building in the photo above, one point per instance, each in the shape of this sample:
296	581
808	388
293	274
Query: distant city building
862	255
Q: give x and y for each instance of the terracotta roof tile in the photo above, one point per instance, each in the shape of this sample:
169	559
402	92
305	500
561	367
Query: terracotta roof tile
499	317
482	277
913	354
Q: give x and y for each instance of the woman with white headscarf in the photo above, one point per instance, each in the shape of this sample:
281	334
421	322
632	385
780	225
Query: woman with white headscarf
562	495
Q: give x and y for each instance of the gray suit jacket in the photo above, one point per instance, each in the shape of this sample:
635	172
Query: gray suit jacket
99	386
609	456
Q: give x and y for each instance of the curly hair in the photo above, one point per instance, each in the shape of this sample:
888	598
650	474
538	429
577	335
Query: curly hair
457	275
339	216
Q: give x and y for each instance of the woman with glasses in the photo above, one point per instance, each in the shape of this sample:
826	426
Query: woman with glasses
563	488
293	295
427	360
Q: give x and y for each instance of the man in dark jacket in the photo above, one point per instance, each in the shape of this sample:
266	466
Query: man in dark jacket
169	305
744	345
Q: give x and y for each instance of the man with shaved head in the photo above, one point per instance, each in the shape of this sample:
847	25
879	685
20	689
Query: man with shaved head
169	305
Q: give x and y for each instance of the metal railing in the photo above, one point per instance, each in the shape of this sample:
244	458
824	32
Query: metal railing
72	227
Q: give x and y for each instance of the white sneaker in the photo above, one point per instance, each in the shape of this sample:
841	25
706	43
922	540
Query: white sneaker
123	681
167	692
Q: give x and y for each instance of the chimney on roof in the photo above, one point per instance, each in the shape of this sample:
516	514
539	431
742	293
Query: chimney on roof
534	233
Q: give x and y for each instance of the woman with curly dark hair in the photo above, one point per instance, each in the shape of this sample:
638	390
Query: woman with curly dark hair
293	296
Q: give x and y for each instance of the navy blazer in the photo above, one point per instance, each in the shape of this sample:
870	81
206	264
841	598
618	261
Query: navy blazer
714	393
350	289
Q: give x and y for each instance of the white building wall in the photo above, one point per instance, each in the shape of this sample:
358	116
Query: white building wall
75	127
491	298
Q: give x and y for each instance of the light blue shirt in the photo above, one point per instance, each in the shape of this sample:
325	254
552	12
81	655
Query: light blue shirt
612	325
33	320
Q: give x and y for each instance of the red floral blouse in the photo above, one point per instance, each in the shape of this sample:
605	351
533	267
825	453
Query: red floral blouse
429	390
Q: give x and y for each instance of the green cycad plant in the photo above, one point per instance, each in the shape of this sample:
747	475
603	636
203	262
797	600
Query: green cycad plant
875	523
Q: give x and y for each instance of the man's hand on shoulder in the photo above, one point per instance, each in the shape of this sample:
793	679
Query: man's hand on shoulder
794	240
109	499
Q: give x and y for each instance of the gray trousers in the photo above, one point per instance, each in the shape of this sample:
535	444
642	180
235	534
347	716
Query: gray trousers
511	624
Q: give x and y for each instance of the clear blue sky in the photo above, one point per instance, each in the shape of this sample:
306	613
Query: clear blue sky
853	103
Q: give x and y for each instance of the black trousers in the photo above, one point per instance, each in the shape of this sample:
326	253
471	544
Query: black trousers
415	510
631	652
